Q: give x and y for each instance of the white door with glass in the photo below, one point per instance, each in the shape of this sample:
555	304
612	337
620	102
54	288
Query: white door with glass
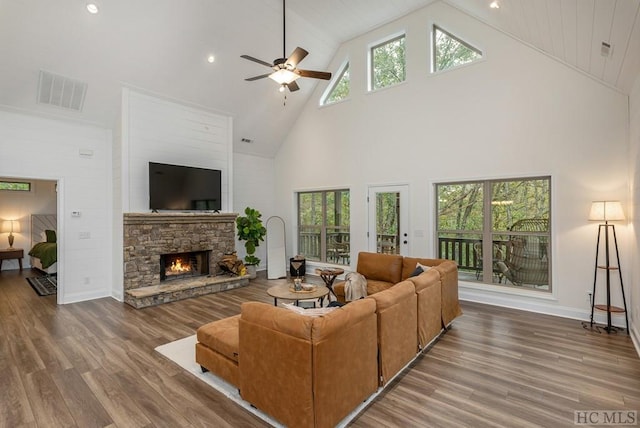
389	219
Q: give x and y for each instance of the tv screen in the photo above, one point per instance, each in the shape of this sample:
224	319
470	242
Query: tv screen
185	188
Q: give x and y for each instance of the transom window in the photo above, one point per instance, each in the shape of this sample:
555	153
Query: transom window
340	88
498	231
450	51
18	186
323	226
387	63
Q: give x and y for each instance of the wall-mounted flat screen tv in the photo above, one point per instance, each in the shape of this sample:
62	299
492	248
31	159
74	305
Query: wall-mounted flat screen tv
184	188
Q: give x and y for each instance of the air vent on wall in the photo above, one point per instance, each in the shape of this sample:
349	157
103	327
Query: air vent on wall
61	91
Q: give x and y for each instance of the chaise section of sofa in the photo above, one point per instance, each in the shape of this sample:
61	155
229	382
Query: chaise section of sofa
308	371
217	349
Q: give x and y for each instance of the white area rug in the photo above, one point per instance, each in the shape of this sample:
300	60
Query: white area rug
183	353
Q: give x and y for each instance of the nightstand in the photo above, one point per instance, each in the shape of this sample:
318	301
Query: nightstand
10	254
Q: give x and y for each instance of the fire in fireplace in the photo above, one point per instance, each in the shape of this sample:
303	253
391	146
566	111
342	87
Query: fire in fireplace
184	265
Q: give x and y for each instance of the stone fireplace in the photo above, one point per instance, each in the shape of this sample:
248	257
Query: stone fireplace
173	256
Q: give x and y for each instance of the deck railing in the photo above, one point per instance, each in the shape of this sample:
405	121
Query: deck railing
462	251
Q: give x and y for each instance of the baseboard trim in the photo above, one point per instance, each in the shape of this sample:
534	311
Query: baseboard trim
537	306
81	297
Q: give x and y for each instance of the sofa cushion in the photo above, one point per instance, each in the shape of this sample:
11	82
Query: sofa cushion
450	304
396	310
429	291
375	286
381	267
221	336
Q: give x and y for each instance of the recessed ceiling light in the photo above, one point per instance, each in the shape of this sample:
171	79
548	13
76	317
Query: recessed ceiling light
494	4
211	59
92	8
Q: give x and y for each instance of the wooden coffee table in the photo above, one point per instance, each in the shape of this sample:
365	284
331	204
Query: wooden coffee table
284	291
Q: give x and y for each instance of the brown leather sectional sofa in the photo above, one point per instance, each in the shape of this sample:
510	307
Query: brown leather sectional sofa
313	371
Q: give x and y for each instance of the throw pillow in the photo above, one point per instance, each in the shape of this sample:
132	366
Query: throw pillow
51	235
417	271
424	267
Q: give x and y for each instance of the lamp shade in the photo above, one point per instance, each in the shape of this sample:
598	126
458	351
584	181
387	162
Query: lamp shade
7	226
606	211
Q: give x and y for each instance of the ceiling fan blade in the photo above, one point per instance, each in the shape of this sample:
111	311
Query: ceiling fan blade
262	76
324	75
259	61
297	56
293	86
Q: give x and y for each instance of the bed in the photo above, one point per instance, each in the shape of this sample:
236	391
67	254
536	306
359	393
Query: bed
44	249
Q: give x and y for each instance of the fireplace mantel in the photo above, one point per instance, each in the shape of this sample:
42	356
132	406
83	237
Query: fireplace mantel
154	218
149	235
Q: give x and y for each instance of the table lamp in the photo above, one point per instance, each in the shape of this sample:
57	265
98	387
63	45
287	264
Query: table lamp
10	226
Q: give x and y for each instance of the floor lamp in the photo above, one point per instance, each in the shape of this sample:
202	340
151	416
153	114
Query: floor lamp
607	211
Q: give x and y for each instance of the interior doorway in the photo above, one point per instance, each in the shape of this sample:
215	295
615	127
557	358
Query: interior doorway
388	231
32	206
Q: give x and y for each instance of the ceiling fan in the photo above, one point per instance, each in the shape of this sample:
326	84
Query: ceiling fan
285	70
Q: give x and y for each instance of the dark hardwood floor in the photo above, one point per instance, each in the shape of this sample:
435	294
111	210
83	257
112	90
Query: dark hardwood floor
92	364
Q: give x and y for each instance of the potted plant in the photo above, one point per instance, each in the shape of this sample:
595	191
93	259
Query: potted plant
251	230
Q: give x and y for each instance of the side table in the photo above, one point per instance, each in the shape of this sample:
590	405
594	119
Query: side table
10	254
328	276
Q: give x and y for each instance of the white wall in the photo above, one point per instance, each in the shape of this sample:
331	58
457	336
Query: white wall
633	288
162	131
35	147
254	186
20	205
515	113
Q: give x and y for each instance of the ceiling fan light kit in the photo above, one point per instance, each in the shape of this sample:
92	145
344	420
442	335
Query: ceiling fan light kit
285	71
283	76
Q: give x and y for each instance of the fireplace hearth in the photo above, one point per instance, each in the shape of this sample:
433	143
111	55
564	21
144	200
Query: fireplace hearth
184	265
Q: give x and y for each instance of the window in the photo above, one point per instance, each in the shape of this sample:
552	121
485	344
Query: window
450	52
498	231
387	63
323	226
340	88
19	186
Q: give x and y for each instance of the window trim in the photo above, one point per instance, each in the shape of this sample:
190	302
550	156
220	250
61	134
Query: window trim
468	45
344	67
551	293
393	37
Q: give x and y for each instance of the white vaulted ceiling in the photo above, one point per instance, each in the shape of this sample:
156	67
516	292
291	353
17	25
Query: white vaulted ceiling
160	46
572	31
